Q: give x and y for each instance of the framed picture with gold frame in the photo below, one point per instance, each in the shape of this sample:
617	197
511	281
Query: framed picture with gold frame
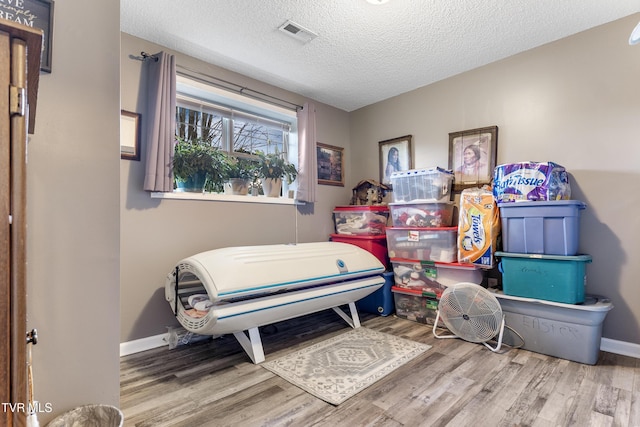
472	156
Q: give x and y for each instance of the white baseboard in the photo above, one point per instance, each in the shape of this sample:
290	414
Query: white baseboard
620	347
143	344
149	343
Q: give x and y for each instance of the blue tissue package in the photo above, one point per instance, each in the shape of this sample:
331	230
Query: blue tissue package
531	181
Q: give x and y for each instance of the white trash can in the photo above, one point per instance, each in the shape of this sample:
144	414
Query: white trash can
90	416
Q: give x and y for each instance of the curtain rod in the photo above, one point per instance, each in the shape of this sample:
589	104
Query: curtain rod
224	84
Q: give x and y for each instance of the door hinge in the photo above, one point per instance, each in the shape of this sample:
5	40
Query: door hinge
17	101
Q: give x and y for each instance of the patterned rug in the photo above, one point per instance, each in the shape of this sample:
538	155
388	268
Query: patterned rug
339	367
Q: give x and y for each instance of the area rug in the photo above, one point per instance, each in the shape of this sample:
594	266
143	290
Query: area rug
342	366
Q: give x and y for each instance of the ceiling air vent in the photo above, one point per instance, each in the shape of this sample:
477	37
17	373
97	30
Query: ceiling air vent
297	31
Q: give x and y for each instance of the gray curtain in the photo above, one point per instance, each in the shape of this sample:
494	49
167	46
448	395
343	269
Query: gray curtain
161	122
307	156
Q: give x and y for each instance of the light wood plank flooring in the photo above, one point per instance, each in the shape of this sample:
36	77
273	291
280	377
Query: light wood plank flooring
455	383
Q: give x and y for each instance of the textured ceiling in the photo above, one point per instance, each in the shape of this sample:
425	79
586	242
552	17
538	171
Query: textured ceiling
364	53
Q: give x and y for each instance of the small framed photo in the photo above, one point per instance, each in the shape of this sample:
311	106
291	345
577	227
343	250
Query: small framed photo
395	155
330	164
129	135
472	156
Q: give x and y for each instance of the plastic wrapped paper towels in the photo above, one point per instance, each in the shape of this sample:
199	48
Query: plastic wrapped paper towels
478	227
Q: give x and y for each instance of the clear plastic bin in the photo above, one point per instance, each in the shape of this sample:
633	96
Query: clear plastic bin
428	244
428	185
422	214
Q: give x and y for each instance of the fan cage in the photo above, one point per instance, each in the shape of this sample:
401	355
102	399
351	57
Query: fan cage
470	312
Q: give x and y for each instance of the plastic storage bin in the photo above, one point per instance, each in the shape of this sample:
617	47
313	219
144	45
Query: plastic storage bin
415	305
550	228
547	277
427	276
566	331
376	244
381	301
429	244
422	214
431	184
360	220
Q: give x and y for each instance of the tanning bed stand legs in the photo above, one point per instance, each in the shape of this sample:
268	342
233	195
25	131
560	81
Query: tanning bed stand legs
252	344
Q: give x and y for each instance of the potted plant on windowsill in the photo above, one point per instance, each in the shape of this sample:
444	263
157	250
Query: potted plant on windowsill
273	168
198	165
241	173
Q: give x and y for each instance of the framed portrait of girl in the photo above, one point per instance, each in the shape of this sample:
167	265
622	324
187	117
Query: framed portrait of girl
395	155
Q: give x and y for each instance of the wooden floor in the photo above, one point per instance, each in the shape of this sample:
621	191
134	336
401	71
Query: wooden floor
455	383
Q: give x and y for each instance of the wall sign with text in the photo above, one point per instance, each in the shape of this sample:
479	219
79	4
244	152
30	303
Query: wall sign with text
34	14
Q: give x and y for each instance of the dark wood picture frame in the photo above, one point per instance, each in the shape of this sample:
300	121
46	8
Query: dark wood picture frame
481	148
129	135
35	14
395	155
330	164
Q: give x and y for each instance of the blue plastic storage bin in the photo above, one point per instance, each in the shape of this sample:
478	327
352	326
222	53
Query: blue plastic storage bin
381	301
550	228
546	277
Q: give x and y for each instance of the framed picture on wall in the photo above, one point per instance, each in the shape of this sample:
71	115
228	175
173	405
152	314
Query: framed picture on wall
472	156
129	135
35	14
330	164
395	155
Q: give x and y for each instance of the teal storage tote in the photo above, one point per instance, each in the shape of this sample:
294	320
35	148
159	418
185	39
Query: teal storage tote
547	277
541	227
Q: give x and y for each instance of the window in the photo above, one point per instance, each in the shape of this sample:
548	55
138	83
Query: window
236	124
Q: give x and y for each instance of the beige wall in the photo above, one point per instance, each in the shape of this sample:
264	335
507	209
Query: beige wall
73	212
575	102
156	234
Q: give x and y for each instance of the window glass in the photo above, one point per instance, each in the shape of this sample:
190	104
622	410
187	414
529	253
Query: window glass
240	125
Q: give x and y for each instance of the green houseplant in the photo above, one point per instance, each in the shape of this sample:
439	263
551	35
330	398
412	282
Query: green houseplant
241	173
198	165
273	168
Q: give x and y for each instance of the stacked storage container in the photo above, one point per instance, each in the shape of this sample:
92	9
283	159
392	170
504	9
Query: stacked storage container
422	242
543	276
364	226
540	233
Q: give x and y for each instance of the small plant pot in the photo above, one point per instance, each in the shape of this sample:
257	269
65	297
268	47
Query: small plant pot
193	184
272	187
239	186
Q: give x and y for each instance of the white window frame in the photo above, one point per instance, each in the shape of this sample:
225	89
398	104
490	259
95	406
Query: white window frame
191	89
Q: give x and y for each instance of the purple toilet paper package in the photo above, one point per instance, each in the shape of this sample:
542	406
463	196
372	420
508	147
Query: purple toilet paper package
529	181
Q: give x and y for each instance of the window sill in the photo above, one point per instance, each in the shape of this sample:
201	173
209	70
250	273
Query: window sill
209	197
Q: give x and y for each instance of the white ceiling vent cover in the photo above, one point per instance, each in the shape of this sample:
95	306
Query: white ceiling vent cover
297	31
